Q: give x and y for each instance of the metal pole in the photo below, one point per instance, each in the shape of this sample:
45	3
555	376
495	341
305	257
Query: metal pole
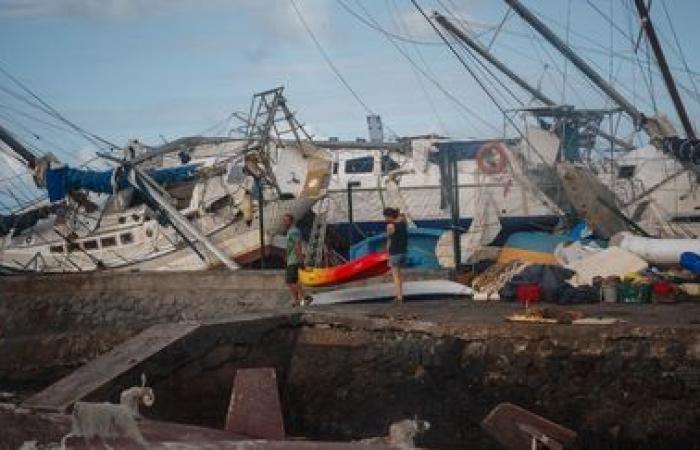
457	248
261	220
446	24
583	66
663	66
498	64
351	233
151	188
18	148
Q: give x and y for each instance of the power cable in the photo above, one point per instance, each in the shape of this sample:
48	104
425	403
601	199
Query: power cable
437	84
398	23
332	66
476	78
89	136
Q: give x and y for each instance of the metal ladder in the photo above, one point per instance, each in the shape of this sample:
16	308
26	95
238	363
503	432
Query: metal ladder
317	238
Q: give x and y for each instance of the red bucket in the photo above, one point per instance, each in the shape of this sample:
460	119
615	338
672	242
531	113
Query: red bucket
527	293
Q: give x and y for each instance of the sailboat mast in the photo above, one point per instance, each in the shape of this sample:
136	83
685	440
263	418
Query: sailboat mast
663	66
488	56
498	64
582	65
21	150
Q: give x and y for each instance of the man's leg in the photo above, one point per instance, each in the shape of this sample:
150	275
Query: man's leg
396	275
294	291
292	280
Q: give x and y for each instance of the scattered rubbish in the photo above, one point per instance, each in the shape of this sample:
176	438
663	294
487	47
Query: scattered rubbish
613	261
596	321
665	252
546	315
691	289
634	292
531	247
690	261
609	288
569	252
662	292
553	284
527	293
490	281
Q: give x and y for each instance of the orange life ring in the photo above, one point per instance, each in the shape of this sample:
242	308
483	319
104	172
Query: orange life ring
491	158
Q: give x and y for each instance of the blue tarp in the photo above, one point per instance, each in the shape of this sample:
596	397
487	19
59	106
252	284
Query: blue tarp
61	181
421	247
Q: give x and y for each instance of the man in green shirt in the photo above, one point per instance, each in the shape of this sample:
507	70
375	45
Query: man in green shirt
295	256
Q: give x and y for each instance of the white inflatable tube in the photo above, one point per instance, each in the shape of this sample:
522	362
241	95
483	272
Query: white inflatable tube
656	251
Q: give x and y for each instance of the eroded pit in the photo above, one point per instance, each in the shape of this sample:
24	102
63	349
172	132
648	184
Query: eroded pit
343	378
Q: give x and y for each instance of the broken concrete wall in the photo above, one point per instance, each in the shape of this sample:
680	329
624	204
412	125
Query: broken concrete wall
51	324
619	387
622	387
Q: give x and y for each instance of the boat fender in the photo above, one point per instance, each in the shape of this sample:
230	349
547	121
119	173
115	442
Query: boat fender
491	158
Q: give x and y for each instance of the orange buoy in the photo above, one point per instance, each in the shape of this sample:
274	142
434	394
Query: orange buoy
491	158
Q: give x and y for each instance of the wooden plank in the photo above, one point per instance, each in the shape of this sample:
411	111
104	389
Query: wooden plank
61	395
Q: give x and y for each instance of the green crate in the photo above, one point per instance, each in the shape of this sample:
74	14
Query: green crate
633	293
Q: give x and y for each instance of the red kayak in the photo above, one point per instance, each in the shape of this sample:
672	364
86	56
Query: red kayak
367	266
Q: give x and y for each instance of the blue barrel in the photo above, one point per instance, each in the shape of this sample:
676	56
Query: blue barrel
691	261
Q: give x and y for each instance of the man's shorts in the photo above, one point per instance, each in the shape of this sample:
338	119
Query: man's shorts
291	275
397	260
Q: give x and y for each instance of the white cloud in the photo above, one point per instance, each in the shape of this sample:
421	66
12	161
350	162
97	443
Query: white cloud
276	15
412	20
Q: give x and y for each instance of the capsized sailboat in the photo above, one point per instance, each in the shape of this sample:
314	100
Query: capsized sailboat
192	204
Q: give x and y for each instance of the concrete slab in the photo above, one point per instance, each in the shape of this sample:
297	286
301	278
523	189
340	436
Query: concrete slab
255	408
411	289
61	395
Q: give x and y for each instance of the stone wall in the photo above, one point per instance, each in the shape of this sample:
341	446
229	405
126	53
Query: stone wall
66	303
620	387
51	324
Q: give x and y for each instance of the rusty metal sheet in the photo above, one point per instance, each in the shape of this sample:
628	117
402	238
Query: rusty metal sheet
508	423
255	409
61	395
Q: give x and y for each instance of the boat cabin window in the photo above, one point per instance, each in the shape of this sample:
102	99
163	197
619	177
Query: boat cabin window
126	238
90	245
73	246
364	164
626	172
388	164
56	249
110	241
335	168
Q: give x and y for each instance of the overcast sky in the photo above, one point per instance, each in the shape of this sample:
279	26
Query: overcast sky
152	68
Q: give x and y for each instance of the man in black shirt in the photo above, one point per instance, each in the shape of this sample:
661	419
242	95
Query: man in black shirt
397	245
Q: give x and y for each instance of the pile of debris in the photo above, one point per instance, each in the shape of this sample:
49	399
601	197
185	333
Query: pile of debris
577	268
